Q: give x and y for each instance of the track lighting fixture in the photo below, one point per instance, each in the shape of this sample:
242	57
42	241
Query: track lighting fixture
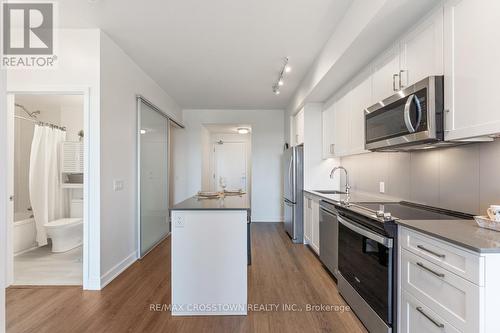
280	82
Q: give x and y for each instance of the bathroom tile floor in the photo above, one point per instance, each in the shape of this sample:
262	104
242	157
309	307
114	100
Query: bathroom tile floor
42	267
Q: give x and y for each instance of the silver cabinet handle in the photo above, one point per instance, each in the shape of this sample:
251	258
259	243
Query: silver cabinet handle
423	248
432	320
441	275
394	76
401	86
408	123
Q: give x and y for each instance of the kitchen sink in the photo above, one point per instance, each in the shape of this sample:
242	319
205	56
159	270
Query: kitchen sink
329	192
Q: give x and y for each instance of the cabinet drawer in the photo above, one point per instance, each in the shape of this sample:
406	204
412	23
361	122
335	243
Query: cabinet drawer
447	256
453	298
418	318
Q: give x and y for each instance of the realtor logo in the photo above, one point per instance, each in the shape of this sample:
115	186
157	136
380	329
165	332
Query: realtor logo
28	34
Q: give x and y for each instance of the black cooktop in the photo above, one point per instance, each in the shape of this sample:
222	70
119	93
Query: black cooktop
410	211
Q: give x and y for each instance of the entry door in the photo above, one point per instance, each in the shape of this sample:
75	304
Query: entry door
230	163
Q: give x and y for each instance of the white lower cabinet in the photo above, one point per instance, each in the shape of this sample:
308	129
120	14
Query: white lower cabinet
307	219
311	222
446	288
315	225
452	297
418	318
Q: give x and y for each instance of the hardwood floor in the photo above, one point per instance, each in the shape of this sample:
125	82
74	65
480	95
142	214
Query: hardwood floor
281	273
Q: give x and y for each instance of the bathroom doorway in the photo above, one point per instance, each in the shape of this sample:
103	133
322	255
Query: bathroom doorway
47	182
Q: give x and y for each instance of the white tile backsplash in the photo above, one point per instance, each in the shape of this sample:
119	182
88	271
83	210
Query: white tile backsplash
464	178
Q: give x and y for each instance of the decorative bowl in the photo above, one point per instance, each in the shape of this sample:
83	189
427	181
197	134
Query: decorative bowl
486	222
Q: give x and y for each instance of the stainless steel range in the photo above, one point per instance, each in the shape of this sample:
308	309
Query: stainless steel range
367	257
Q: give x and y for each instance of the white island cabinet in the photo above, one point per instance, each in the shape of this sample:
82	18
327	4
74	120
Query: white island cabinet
210	254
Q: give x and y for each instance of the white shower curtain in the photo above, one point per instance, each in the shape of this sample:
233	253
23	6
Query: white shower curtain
46	195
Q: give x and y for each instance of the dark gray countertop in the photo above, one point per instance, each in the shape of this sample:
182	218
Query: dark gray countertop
238	202
464	233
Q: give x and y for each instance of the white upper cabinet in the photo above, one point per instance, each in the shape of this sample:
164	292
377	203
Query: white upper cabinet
472	68
342	126
297	131
361	97
422	50
385	79
328	131
417	55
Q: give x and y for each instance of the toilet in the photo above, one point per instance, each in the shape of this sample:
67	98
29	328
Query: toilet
67	233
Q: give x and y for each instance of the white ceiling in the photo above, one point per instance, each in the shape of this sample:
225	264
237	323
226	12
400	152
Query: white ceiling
217	53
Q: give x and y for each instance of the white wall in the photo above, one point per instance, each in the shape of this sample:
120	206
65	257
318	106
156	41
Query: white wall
3	197
121	81
463	178
77	68
267	148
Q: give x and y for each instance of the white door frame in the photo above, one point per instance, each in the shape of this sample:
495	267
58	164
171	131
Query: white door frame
213	167
91	188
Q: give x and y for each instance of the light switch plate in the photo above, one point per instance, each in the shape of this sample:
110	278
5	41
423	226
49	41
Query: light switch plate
381	187
118	185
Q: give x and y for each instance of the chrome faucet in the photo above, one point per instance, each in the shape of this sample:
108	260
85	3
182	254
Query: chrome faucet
347	186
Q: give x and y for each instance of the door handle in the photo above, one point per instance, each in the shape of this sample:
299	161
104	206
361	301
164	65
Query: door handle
441	275
401	86
407	118
432	320
423	248
394	82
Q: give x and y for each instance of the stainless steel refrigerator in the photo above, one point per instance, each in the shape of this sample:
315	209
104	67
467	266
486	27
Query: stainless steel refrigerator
293	198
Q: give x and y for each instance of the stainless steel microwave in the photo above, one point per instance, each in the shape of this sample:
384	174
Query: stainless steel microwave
410	119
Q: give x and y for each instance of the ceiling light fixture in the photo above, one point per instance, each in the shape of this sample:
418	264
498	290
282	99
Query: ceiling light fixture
243	130
280	82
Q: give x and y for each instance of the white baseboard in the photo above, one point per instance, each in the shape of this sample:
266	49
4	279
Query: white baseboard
110	275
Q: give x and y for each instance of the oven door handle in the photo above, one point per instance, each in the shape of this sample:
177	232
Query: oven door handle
407	118
387	242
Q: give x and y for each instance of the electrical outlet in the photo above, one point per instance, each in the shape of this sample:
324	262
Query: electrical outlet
381	187
118	185
179	221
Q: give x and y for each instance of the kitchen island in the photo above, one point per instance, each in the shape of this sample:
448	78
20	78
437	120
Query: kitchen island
210	254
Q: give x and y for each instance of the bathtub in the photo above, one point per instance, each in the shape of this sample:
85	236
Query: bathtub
24	232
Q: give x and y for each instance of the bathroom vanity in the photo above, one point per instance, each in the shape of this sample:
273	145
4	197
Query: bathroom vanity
210	255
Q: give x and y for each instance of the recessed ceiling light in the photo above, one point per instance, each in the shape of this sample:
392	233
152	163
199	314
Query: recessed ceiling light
143	131
288	69
276	92
280	83
243	130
